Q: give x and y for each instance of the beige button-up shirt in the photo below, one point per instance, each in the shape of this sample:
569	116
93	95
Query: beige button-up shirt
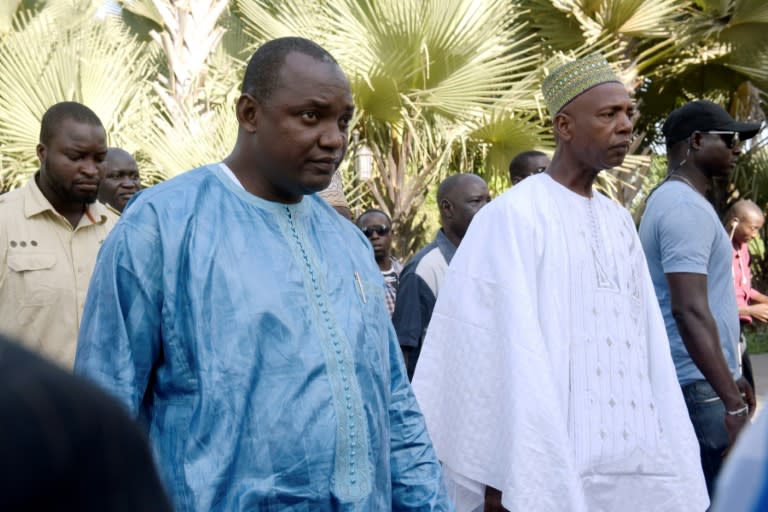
45	268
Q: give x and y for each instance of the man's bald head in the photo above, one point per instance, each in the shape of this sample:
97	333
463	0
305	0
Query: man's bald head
117	153
455	183
744	220
744	207
459	198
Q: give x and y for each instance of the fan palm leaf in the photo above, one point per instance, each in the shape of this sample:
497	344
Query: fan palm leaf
145	8
424	75
7	14
191	121
63	53
503	134
171	147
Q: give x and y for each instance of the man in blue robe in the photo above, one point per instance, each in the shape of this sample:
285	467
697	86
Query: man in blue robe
244	320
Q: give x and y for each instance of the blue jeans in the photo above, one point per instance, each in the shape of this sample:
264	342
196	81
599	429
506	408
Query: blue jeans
707	414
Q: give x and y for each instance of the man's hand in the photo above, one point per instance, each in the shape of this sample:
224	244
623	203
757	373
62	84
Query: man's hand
758	312
493	500
748	394
734	424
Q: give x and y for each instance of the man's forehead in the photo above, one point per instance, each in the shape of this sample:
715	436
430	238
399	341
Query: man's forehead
613	92
538	159
374	218
303	77
120	160
752	215
471	186
73	131
604	95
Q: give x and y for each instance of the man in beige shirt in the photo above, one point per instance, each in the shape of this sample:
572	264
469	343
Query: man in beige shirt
50	233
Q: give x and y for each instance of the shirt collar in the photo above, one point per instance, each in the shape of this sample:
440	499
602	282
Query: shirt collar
230	181
446	246
36	203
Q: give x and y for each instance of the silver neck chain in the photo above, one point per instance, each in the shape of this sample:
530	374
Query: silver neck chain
684	180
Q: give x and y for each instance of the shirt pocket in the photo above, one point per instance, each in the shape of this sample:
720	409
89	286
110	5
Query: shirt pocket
373	311
33	278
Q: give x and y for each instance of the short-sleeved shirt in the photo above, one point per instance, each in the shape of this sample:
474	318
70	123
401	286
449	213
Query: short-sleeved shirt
45	269
681	233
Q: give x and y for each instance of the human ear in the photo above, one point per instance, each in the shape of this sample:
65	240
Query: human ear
447	208
694	142
563	126
247	110
41	151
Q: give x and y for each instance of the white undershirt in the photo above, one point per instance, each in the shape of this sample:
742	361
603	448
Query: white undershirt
230	174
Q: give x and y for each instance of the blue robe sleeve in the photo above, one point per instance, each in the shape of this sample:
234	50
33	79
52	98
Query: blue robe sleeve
120	334
417	481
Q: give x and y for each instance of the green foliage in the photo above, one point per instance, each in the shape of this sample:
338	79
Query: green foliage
656	174
757	247
442	86
434	83
60	54
750	178
757	341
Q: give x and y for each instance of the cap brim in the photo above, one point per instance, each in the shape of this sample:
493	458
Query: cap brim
745	130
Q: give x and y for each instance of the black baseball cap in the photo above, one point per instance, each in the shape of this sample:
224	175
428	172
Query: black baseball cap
703	116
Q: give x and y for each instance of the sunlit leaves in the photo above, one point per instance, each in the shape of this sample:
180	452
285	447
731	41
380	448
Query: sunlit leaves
61	54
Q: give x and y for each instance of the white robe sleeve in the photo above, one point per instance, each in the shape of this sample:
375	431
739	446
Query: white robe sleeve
486	378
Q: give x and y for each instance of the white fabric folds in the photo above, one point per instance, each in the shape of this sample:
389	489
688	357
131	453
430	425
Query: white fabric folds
546	370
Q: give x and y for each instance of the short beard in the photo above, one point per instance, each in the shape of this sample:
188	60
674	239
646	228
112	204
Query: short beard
80	198
69	194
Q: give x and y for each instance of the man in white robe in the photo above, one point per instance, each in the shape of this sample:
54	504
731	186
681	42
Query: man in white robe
546	379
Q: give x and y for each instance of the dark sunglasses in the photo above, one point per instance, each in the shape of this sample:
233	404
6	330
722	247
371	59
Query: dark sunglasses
380	230
731	139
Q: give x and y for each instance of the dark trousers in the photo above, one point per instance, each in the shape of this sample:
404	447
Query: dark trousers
746	363
707	414
746	369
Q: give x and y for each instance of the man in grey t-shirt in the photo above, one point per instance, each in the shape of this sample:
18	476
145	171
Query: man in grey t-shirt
689	257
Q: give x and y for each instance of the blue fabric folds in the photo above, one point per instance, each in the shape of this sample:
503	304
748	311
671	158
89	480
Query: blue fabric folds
253	339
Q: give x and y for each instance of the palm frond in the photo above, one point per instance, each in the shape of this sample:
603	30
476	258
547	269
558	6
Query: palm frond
144	8
622	183
553	23
263	21
749	11
503	134
7	14
638	18
60	55
202	137
451	58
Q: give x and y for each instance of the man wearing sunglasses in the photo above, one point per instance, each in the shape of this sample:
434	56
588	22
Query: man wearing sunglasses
689	257
377	228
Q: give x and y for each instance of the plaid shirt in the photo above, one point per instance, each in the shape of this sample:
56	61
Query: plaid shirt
391	280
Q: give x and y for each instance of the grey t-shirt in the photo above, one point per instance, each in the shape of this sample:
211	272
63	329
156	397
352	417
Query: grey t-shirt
681	232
